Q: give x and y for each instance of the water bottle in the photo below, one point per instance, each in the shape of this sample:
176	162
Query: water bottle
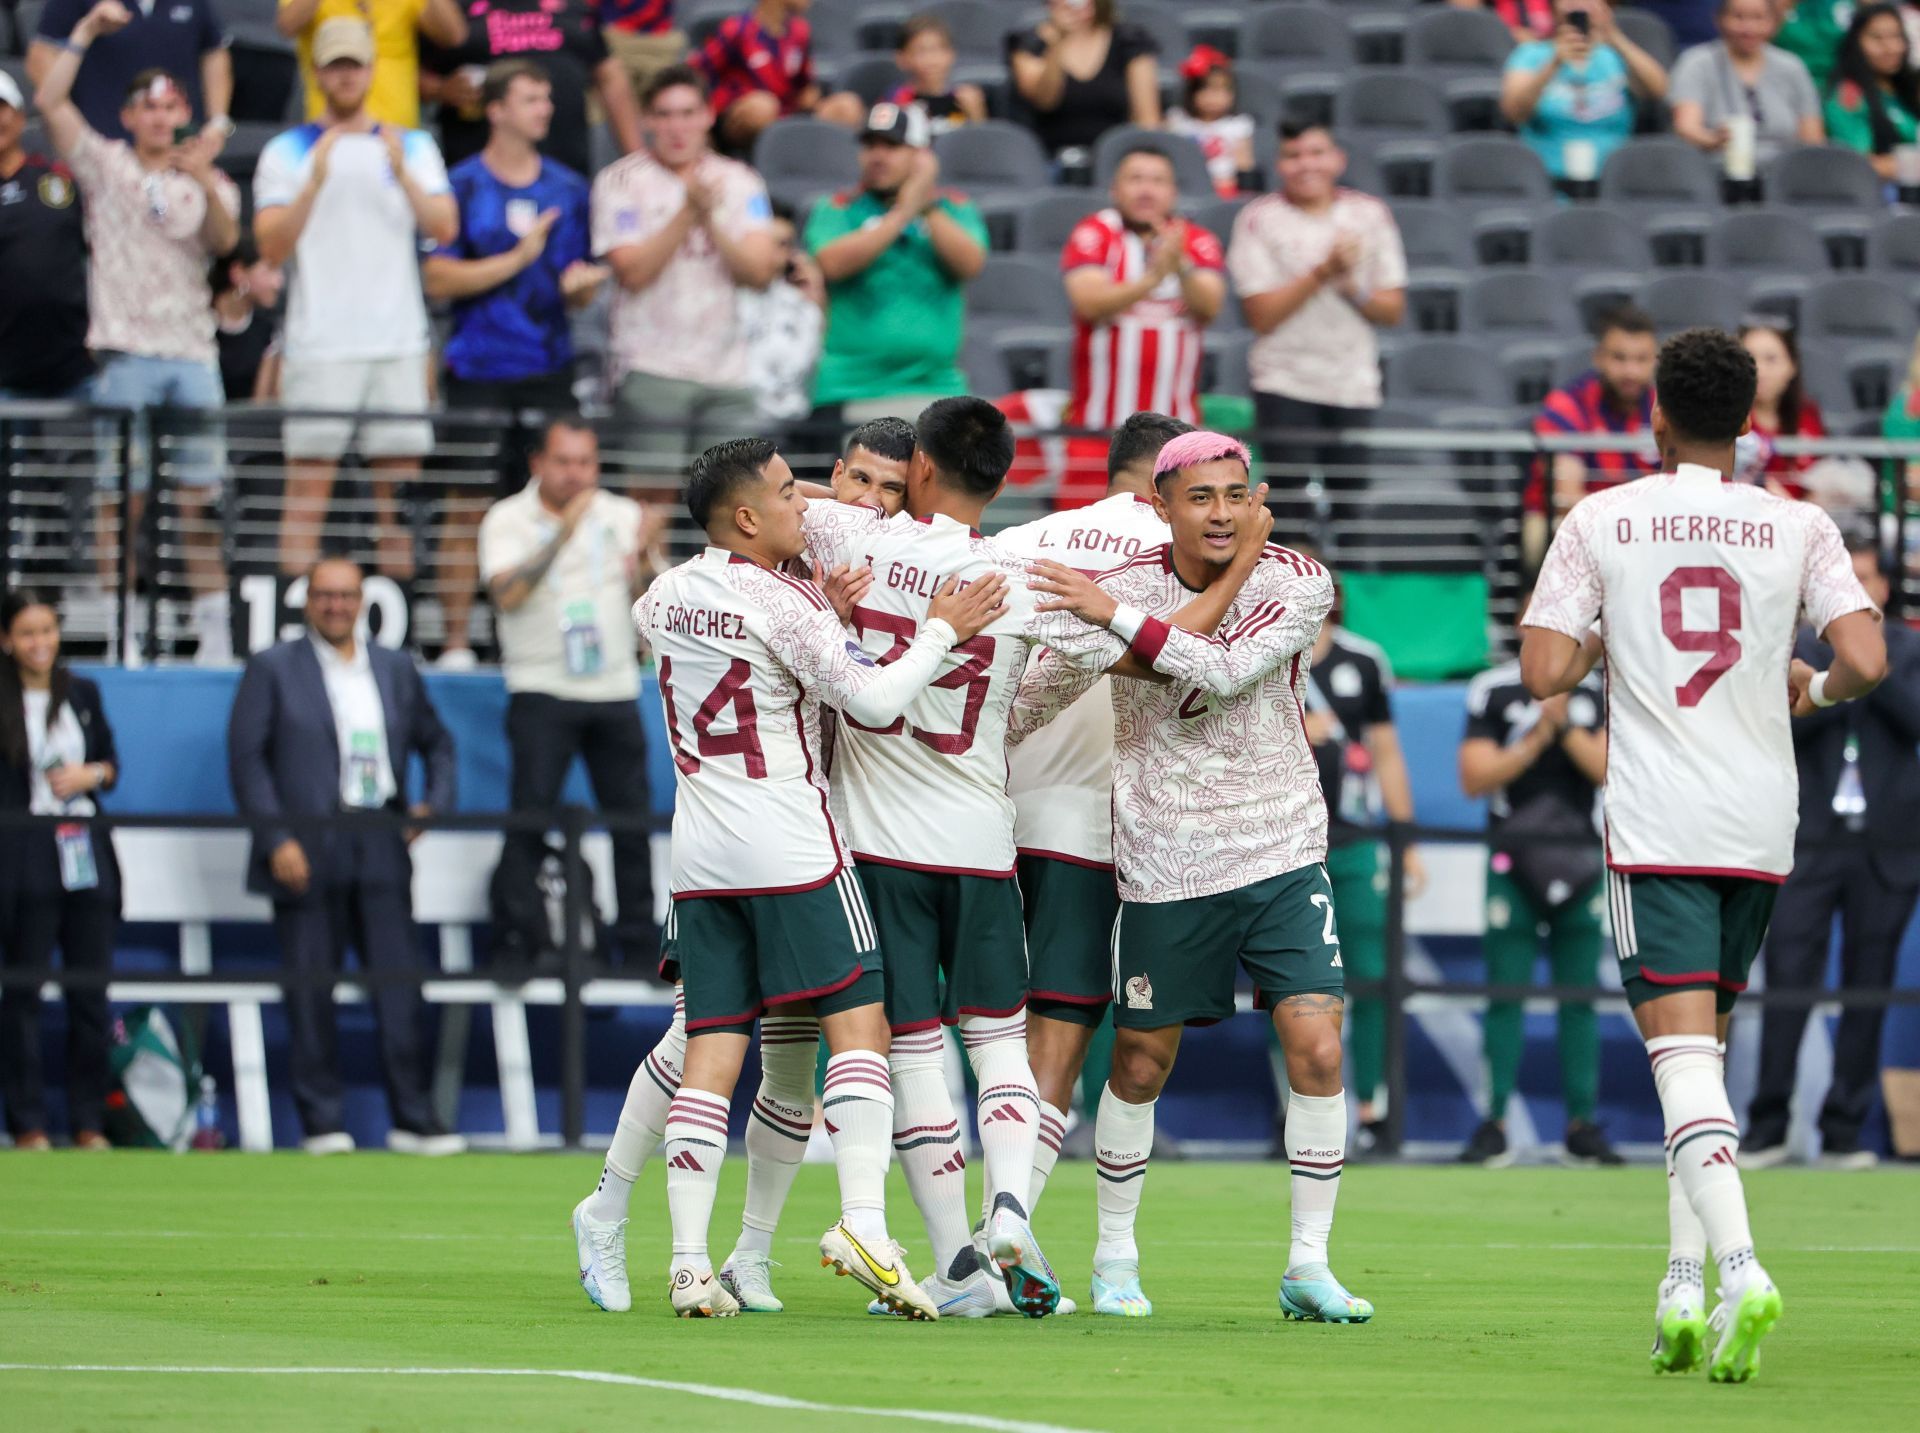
1850	796
206	1117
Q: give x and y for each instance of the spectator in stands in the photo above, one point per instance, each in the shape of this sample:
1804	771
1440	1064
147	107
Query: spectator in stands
897	256
1082	72
1859	779
1811	30
1144	284
397	26
1782	408
1611	399
926	54
58	886
43	279
1874	105
183	37
346	201
872	469
323	724
1741	74
246	293
564	39
1572	97
644	37
157	211
563	561
1902	418
1210	116
1539	765
1528	20
683	230
784	323
759	68
1318	268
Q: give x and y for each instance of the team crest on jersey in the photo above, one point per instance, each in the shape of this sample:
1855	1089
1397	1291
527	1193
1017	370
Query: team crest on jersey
1139	993
521	216
859	654
56	191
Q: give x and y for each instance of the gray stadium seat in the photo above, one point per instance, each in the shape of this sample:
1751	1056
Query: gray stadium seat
1766	239
1035	355
1164	23
980	28
1679	301
873	77
1895	244
1490	168
1818	177
703	17
1597	294
1217	216
802	157
1649	32
1433	298
1019	288
1379	37
1189	164
1299	36
1223	361
1515	303
1875	373
1502	237
1856	308
1589	238
1434	234
1659	171
1220	26
1396	104
1043	226
1448	39
992	156
836	25
1443	370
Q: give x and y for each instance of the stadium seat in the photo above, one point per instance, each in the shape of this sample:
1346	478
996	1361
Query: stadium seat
1218	26
979	28
1589	238
984	158
1043	226
1433	298
1018	288
1189	164
1875	373
1164	23
1819	177
1471	41
1306	96
1659	172
1390	104
1649	32
1485	169
1598	294
836	26
1034	355
1516	303
1407	166
1503	238
1444	370
1680	301
701	19
1895	249
1379	37
872	76
800	158
1857	308
1434	234
1299	36
1766	239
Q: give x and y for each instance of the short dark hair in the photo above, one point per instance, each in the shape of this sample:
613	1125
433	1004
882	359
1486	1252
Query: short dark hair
671	77
1156	151
1299	126
968	441
139	83
721	471
884	438
331	555
568	422
1704	383
926	23
502	73
783	209
1623	318
1142	436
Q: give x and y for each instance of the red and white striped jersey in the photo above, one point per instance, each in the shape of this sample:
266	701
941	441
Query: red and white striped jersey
1215	786
1061	778
928	792
1698	585
1148	358
746	655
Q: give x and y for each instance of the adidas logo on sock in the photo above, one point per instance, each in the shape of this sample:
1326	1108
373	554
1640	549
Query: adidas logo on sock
955	1165
685	1160
832	1128
1722	1155
1005	1112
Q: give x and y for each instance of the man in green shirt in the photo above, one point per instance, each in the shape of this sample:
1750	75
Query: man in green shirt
897	255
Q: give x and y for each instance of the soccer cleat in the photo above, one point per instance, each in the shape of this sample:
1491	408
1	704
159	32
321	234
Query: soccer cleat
1679	1328
700	1296
1587	1144
1317	1297
971	1298
1488	1148
745	1276
1029	1277
1121	1298
883	1271
603	1260
1741	1326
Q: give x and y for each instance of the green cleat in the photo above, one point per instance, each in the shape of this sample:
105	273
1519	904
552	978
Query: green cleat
1317	1297
1741	1326
1680	1330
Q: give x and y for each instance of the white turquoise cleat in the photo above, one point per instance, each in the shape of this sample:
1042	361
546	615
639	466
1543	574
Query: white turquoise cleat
745	1276
1121	1296
971	1298
1315	1296
1680	1329
602	1249
1029	1277
1741	1326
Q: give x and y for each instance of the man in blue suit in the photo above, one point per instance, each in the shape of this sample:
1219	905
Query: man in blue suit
326	723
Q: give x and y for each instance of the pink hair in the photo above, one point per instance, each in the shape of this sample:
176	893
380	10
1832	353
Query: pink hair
1192	449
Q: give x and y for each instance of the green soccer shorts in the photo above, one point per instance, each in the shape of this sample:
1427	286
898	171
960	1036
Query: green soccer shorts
1173	961
956	945
1070	911
1688	932
737	955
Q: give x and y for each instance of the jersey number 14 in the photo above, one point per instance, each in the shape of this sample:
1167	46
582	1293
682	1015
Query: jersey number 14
743	741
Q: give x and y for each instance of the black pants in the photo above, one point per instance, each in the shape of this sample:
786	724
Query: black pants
366	902
531	401
82	924
1292	463
545	733
1873	916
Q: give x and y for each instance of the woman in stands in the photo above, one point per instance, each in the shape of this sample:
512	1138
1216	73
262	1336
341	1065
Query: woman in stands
1874	105
1082	73
1572	96
1781	407
59	886
1744	74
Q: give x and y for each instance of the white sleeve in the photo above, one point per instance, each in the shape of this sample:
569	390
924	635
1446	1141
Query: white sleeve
1829	588
1270	634
812	644
277	177
424	162
836	532
1568	594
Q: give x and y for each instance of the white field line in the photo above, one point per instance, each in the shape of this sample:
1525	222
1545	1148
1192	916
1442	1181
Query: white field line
577	1375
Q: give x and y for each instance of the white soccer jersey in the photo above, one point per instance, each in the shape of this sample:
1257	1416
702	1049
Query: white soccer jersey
929	791
1061	777
1697	585
1214	781
746	655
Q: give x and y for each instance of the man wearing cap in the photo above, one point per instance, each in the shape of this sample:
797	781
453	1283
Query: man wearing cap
347	199
397	26
157	212
183	37
897	254
43	269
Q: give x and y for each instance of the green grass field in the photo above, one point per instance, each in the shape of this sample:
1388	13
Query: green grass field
1520	1298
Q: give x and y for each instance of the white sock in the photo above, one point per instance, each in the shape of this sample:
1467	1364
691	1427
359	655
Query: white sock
858	1108
1316	1150
1703	1141
1122	1144
1686	1237
643	1118
779	1124
1009	1106
1046	1153
926	1140
696	1144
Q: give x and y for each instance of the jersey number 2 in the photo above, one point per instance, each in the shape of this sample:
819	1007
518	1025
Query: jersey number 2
973	674
743	741
1718	641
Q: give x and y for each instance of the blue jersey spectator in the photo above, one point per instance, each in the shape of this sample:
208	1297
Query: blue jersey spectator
1572	97
183	37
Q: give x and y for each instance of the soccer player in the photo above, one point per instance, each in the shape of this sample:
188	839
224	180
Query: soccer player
1697	585
766	910
1220	840
873	468
1061	781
